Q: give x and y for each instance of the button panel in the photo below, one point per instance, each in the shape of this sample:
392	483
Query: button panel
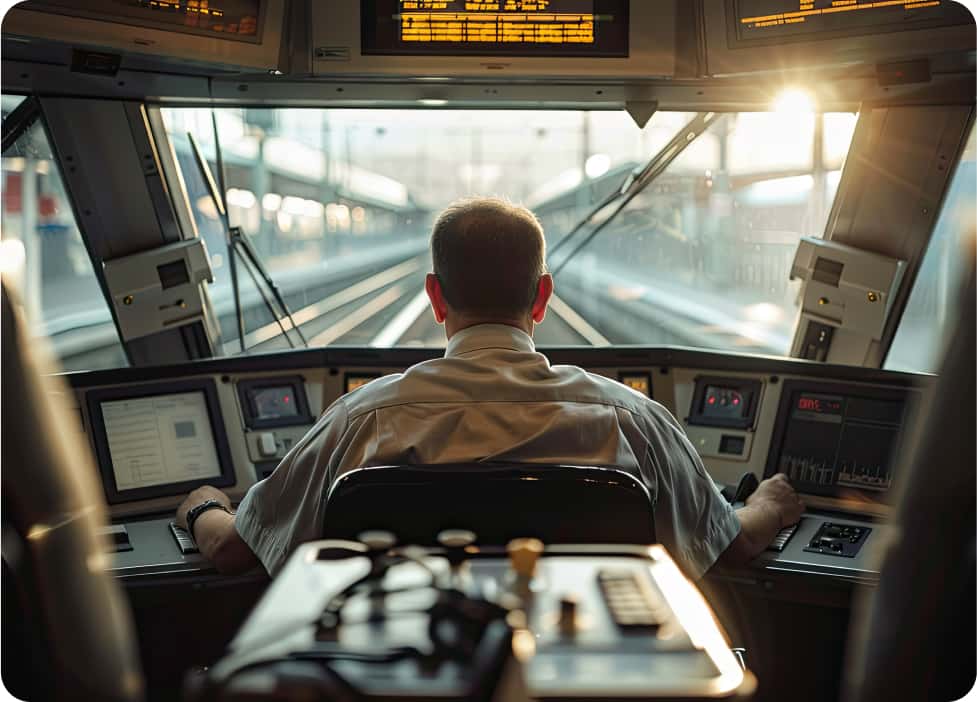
838	539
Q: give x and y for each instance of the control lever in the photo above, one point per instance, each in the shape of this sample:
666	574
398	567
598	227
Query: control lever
747	486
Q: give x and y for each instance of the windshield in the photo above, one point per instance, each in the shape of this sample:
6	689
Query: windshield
339	205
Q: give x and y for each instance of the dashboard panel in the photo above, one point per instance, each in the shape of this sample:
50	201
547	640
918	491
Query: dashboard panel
233	420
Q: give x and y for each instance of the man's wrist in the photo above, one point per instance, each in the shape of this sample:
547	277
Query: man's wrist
194	513
771	509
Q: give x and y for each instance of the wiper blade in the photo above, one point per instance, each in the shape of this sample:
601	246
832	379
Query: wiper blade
637	181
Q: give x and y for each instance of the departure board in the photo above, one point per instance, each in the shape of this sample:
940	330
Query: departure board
814	19
597	28
229	19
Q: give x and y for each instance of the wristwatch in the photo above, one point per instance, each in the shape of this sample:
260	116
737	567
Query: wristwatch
194	513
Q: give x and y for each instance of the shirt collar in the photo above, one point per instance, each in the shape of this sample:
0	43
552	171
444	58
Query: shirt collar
489	336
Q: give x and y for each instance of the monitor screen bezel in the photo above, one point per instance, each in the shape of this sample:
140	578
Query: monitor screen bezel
373	43
148	22
94	400
697	415
246	390
736	40
791	388
624	375
725	54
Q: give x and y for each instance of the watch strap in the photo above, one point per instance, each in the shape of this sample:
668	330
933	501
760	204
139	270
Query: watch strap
195	513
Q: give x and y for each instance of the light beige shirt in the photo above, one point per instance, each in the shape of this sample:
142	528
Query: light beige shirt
493	398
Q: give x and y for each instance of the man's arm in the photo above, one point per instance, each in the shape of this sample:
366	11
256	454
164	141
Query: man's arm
215	533
769	509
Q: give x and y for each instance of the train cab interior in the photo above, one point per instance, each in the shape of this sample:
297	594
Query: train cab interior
760	214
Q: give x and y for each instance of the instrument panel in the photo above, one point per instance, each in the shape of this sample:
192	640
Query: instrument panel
159	432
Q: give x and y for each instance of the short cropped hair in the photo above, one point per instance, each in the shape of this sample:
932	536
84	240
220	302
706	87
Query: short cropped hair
488	255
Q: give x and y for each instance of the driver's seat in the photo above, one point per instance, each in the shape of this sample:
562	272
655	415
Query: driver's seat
555	503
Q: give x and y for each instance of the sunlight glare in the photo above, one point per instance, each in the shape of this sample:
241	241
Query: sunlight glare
794	101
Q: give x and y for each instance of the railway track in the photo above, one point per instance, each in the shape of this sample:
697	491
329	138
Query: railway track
381	302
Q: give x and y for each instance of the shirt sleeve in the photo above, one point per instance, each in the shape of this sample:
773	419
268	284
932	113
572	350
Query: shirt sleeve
286	508
692	519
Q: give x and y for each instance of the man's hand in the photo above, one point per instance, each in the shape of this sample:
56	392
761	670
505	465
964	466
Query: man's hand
771	507
778	493
201	494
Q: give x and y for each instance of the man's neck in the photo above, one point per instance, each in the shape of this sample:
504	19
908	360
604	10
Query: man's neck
453	326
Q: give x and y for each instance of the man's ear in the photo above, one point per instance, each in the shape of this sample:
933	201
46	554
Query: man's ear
434	293
544	291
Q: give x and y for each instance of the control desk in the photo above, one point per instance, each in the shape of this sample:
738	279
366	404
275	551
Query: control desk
834	431
555	623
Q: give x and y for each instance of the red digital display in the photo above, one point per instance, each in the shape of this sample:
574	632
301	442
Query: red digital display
821	404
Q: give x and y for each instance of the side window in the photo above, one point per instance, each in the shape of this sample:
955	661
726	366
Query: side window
43	256
934	304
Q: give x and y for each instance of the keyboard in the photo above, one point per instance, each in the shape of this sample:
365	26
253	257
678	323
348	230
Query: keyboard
183	539
780	541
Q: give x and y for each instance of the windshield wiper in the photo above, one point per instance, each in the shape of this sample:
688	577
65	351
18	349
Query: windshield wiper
238	245
637	180
19	121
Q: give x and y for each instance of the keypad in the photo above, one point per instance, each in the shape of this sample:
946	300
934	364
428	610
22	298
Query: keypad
780	541
183	539
632	604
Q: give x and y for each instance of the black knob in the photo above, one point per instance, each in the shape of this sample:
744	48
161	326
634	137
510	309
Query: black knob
455	541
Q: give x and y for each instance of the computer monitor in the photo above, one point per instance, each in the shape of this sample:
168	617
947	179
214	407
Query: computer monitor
159	440
837	441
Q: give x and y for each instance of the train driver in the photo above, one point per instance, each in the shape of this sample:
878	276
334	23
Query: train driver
492	397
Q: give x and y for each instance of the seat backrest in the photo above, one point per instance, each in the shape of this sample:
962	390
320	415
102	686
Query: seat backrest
71	636
557	504
916	638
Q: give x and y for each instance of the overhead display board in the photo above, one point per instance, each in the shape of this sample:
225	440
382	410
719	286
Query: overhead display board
495	27
779	20
227	19
236	34
437	40
748	36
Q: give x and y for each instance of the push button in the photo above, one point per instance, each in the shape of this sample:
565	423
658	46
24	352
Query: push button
267	446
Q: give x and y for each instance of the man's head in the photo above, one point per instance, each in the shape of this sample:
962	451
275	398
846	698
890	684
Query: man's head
489	266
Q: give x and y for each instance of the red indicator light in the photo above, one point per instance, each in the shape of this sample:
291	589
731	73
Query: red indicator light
286	399
736	400
712	400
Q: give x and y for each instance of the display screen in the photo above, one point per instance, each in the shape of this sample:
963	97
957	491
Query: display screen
833	442
275	402
160	440
230	19
354	381
640	382
596	28
760	19
725	402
